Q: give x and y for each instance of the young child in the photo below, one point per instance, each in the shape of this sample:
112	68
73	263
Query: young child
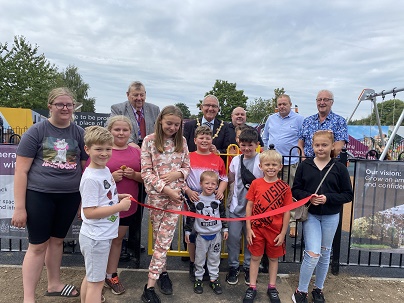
208	239
202	160
322	222
248	141
99	211
165	166
267	234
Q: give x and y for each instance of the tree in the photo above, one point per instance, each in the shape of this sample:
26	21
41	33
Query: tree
26	77
259	109
74	81
229	98
389	112
185	110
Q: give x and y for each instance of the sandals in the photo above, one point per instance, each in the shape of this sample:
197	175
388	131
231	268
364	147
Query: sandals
67	291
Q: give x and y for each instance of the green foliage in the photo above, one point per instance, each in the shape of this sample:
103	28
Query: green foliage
73	80
259	109
229	98
185	110
26	77
389	112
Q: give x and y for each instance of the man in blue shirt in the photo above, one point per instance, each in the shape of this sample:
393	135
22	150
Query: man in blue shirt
325	119
282	130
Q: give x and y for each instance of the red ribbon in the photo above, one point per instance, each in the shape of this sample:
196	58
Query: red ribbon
259	216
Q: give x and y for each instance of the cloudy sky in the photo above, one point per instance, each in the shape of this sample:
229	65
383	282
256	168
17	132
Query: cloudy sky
178	48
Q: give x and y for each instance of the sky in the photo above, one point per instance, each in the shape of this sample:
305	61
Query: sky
179	48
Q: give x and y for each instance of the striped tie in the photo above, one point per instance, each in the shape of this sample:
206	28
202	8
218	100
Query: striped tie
208	124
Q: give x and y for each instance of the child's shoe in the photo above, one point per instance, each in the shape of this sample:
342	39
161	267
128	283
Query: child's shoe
273	295
318	296
299	297
250	295
115	284
198	286
217	288
232	276
165	284
247	276
149	295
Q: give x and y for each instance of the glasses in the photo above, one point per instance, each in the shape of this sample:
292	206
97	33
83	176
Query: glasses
210	105
62	105
324	99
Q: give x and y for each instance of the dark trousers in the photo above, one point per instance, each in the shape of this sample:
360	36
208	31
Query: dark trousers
135	228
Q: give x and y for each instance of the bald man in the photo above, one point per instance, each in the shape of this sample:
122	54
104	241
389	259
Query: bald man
239	117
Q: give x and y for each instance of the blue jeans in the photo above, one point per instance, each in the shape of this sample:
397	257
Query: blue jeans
319	231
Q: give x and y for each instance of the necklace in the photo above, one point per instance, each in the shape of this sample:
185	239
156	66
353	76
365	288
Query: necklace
217	131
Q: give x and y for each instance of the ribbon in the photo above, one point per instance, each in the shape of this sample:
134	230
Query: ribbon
259	216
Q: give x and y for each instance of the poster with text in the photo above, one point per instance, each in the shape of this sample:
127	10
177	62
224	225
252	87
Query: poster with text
379	206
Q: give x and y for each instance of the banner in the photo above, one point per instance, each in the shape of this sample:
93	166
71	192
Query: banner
7	166
378	223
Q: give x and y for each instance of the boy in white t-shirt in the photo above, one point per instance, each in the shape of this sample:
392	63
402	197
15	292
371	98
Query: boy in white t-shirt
100	212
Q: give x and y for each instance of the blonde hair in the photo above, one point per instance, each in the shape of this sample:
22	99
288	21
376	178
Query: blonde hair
60	91
209	174
97	135
114	119
325	133
158	129
270	155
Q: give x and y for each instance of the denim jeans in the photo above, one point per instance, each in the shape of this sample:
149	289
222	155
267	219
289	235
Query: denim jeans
319	231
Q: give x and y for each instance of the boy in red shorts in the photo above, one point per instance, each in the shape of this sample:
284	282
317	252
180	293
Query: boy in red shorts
267	234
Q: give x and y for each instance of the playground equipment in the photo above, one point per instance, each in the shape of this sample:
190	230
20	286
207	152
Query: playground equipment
370	94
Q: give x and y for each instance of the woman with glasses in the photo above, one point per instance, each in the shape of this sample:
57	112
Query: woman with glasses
48	169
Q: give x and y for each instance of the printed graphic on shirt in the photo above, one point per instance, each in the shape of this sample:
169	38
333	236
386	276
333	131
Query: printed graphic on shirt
272	198
106	184
208	210
59	153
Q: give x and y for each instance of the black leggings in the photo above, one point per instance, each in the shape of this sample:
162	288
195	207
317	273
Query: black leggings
50	214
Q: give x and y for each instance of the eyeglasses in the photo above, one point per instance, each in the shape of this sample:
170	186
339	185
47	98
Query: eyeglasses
210	105
324	99
62	105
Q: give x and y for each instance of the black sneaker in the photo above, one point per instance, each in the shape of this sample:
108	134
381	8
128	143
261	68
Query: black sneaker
299	297
247	276
192	271
165	284
250	295
232	276
150	296
215	285
198	286
318	296
273	295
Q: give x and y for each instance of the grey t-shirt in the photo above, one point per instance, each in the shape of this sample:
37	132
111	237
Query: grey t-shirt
241	190
57	153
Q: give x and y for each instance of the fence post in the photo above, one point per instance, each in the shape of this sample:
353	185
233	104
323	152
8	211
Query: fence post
336	244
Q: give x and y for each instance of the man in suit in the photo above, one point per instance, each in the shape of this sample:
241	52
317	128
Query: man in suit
143	115
221	137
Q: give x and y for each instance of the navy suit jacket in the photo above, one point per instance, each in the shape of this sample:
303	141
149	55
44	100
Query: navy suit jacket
150	112
221	142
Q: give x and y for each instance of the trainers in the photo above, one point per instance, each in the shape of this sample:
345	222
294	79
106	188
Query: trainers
232	276
318	296
149	295
247	276
299	297
217	288
250	295
165	284
198	286
115	284
273	295
192	271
